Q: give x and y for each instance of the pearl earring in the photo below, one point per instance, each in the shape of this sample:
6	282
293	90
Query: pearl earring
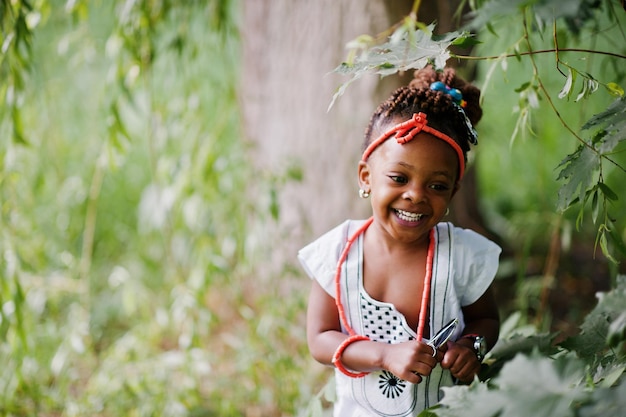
363	193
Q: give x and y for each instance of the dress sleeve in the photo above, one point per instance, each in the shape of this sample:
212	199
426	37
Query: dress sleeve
319	258
476	264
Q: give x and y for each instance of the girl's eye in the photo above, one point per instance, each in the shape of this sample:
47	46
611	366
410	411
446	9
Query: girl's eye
397	178
440	187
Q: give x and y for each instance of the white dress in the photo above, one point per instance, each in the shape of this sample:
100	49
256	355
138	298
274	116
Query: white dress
464	265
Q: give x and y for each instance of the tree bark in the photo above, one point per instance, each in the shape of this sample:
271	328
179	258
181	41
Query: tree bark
289	50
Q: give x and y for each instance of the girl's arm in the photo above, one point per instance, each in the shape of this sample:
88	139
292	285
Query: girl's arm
481	318
405	360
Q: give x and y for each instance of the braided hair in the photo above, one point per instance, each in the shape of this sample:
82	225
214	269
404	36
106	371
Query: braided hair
442	111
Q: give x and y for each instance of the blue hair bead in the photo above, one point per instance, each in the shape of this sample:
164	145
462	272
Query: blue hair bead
457	98
438	86
455	93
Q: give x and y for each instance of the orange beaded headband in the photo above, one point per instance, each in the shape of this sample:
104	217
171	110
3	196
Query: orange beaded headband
406	131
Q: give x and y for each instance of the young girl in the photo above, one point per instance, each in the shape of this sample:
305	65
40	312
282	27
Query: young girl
384	286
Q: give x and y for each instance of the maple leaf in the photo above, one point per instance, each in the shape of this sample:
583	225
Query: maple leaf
528	386
594	332
606	402
578	169
612	124
405	50
579	166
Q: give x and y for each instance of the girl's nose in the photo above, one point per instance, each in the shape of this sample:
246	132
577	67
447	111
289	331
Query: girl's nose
415	193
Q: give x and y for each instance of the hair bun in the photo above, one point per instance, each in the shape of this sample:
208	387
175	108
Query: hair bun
424	77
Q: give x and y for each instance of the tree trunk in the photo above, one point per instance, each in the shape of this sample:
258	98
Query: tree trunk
289	50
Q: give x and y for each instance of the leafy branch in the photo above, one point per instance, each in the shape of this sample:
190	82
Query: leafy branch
409	47
18	19
538	52
412	45
583	375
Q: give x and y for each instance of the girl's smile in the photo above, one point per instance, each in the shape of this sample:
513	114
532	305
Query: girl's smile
407	216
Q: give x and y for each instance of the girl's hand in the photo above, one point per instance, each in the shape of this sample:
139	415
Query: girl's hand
461	361
410	360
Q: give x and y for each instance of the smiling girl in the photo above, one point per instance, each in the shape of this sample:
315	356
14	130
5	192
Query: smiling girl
382	287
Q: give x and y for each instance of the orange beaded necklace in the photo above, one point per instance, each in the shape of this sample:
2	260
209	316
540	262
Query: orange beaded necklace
353	336
403	133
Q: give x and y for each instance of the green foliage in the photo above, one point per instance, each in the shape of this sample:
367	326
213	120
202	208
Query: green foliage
550	50
604	326
527	375
583	172
127	249
18	19
586	173
545	11
128	253
528	385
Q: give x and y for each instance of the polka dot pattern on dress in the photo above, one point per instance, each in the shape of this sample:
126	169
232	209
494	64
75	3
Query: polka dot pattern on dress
382	322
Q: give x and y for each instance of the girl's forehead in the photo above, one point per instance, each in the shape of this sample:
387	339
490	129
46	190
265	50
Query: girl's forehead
424	145
408	133
425	151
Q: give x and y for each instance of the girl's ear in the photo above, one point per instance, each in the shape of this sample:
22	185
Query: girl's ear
364	176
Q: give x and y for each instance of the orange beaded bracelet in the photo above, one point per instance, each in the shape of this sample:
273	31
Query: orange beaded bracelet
339	352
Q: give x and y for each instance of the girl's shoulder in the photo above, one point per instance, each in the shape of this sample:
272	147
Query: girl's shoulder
467	240
319	258
474	261
337	236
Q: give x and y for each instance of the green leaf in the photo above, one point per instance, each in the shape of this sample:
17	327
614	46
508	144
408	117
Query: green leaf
618	242
430	412
610	116
406	50
604	244
518	57
591	341
466	40
578	172
592	337
617	331
606	374
589	86
569	82
522	87
613	135
606	402
595	208
608	193
508	348
527	386
615	89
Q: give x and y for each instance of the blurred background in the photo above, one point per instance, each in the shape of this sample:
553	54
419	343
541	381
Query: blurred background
162	162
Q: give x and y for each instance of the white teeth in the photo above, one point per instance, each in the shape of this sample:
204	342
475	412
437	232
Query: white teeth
408	216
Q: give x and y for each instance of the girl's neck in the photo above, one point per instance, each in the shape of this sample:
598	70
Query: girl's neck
377	238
